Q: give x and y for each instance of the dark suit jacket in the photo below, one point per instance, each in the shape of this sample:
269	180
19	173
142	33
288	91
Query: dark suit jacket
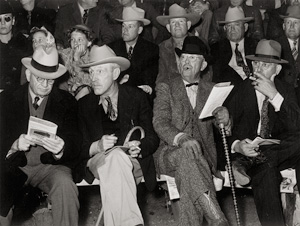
143	64
133	110
245	114
69	16
222	53
61	109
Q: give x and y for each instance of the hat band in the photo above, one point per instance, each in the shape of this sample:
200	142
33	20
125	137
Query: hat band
43	68
268	56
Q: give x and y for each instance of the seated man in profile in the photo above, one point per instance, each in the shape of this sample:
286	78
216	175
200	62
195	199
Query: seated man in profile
105	118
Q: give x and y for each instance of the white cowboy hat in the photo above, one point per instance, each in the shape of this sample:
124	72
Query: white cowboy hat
44	63
268	51
235	14
104	55
176	11
134	14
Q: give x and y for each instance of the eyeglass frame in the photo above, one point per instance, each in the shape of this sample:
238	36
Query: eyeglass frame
41	80
264	65
191	57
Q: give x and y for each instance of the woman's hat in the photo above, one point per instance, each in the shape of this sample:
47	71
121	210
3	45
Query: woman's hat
268	51
134	14
235	14
5	8
104	55
44	63
176	11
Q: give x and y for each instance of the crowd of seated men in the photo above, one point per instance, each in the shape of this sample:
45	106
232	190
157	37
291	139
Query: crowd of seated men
124	82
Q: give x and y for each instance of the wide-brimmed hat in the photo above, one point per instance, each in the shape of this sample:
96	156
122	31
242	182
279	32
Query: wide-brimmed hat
176	11
268	51
134	14
44	63
235	14
194	45
5	8
292	12
104	55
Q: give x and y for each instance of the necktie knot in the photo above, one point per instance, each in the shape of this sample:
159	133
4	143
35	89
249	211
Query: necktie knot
85	15
192	84
295	50
35	103
130	52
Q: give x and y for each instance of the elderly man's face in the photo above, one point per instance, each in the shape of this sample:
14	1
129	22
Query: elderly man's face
190	66
266	69
7	22
40	86
178	27
131	30
235	31
103	77
236	2
291	27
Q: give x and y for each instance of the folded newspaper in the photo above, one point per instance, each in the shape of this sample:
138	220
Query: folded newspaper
40	128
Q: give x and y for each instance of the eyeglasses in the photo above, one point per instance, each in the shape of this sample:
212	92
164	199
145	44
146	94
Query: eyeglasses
41	80
263	65
191	58
6	19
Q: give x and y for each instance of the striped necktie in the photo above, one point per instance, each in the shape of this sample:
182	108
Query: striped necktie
295	50
85	15
240	61
130	53
110	110
264	129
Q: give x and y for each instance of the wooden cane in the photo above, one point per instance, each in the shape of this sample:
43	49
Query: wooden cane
230	173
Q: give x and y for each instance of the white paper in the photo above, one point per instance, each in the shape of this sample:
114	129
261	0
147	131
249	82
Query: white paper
216	98
261	141
41	128
172	188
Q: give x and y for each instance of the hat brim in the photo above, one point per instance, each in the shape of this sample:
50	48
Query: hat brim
47	75
144	21
290	16
266	59
246	19
193	17
123	62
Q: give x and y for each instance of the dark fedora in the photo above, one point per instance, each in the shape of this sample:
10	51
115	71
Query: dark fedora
194	45
268	51
5	8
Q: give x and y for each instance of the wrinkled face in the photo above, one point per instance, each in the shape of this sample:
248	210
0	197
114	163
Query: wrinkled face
39	86
294	2
7	22
39	39
130	30
103	77
78	39
236	2
126	2
87	4
178	27
235	31
264	68
291	27
190	66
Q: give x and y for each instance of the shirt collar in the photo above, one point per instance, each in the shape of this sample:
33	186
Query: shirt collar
113	96
127	46
33	95
291	42
241	45
81	9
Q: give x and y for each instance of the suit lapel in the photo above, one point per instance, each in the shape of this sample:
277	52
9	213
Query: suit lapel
179	93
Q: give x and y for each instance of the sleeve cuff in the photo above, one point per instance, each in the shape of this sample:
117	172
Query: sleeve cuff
232	146
175	142
93	148
277	102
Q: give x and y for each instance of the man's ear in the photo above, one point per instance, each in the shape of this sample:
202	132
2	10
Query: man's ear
13	20
278	68
246	26
28	75
189	24
203	66
168	27
140	29
116	73
89	44
283	26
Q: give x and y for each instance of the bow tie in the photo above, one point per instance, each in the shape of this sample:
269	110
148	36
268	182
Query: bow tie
192	84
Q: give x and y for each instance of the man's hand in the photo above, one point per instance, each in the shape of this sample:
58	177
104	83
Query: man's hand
190	146
106	142
146	89
264	85
134	149
221	115
23	143
54	145
246	148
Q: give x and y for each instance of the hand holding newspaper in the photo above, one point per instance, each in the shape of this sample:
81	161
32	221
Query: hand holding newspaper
216	98
40	128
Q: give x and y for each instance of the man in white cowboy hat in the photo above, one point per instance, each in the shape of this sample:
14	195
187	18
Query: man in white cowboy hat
187	149
44	162
143	55
290	47
178	22
266	107
105	118
229	53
